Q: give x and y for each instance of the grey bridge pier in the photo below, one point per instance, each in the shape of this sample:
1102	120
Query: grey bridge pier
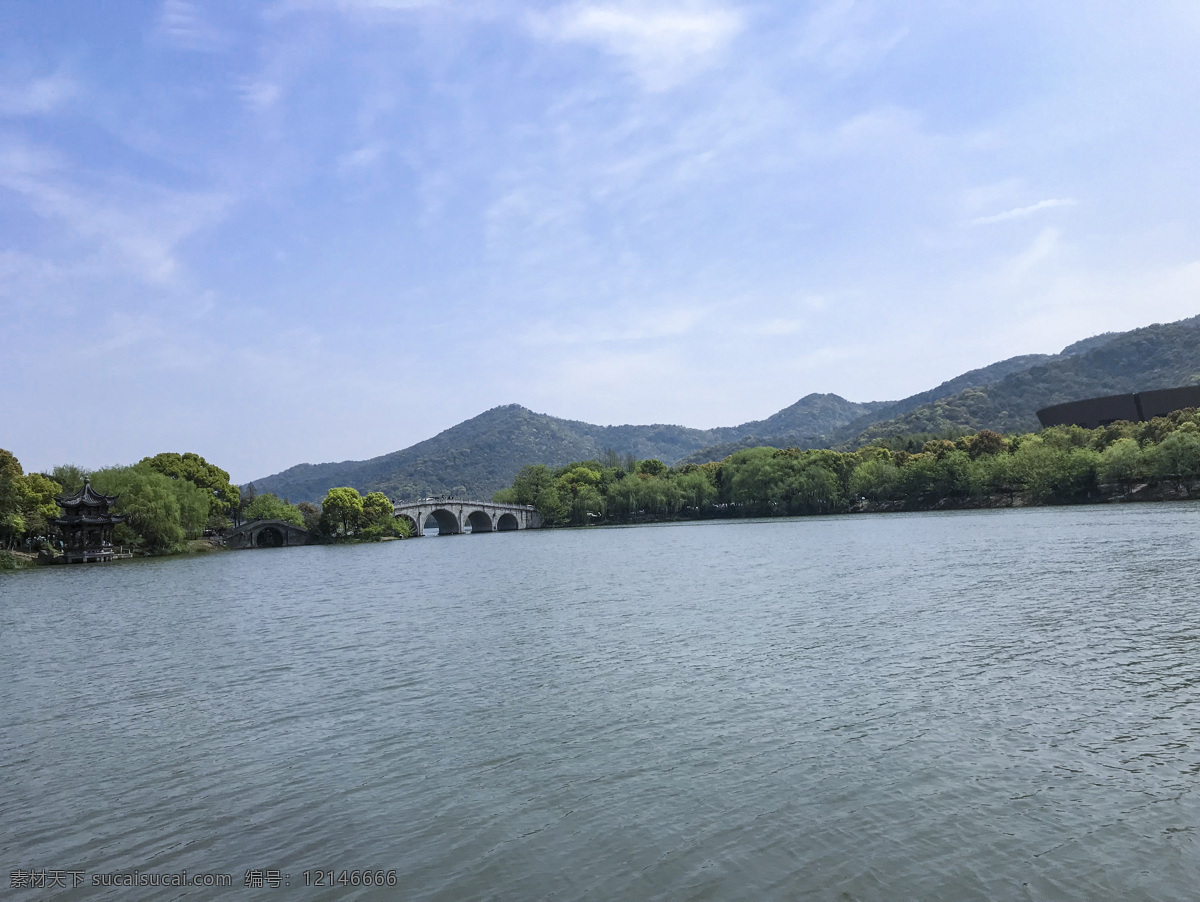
456	517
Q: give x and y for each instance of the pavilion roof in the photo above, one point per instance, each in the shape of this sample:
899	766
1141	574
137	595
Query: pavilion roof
86	497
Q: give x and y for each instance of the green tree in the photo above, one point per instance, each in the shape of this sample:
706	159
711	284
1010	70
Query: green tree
377	510
379	518
12	497
311	514
342	507
268	507
1121	461
38	507
652	467
224	497
70	477
530	482
1177	455
245	499
698	490
986	442
876	480
161	513
757	480
919	477
1048	472
553	509
814	490
990	474
578	488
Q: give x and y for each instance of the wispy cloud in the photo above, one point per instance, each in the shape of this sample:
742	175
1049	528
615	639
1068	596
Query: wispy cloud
140	225
259	94
349	7
37	97
1044	247
664	45
363	157
629	328
1022	212
182	24
843	36
774	328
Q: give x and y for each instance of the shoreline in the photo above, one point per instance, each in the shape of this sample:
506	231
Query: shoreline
1141	492
12	561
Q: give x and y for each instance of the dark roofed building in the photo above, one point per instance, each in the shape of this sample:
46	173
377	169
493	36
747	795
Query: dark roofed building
86	524
1167	400
1093	412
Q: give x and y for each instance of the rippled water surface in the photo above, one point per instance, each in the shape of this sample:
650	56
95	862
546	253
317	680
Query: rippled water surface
978	705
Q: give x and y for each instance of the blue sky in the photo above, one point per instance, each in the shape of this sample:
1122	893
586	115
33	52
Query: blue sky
312	230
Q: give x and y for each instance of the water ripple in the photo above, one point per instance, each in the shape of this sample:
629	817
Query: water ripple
974	705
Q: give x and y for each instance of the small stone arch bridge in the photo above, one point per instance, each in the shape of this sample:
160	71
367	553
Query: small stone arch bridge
267	534
457	517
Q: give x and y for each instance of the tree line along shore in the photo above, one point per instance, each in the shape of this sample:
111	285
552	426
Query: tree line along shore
172	503
1154	460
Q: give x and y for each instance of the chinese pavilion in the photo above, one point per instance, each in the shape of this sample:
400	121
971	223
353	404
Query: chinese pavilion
86	525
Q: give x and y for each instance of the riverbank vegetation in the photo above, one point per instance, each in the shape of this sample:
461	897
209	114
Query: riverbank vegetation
166	501
171	504
1060	465
348	516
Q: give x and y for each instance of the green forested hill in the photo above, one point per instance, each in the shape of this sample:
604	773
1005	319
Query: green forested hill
1158	356
483	454
778	430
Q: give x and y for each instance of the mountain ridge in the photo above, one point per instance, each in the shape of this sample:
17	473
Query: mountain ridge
1161	355
483	454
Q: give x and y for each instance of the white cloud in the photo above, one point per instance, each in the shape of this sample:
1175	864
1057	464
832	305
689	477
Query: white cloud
349	7
1022	212
362	157
775	328
1042	249
37	97
843	37
888	130
621	327
260	94
182	24
138	224
664	45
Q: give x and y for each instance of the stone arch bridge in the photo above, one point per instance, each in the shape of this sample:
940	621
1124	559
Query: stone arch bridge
267	534
457	517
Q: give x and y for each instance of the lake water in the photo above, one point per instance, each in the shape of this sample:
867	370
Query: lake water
974	705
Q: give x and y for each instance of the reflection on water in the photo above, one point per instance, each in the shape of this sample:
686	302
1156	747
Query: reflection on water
978	705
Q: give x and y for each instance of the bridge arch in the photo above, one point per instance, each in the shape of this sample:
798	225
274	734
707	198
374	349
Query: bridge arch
507	523
479	522
447	523
269	537
267	534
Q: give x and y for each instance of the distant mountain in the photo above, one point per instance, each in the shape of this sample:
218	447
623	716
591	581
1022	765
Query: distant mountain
482	454
1158	356
871	412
